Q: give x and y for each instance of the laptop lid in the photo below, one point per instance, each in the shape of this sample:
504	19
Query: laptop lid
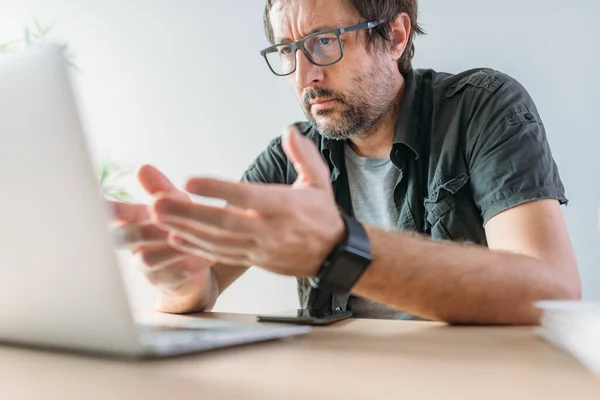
60	285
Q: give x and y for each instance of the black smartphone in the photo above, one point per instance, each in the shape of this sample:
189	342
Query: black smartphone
306	317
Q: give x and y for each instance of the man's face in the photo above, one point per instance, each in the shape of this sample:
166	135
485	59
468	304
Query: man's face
345	99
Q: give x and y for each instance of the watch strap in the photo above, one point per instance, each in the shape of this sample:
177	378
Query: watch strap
347	262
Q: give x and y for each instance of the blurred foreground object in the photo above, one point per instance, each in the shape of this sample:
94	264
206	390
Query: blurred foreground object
574	327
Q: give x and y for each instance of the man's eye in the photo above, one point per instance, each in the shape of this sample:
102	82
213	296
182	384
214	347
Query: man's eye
325	41
285	51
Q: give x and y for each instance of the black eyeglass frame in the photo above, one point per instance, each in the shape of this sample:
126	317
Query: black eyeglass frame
299	45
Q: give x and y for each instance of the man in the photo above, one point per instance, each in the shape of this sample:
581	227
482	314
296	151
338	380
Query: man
461	159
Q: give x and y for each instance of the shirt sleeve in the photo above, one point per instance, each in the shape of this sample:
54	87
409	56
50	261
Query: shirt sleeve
508	153
270	166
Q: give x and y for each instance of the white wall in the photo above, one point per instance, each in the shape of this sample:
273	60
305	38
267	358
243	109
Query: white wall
180	84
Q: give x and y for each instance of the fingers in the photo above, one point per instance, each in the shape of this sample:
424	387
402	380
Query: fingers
266	198
144	234
185	246
165	267
125	212
231	220
306	158
157	258
223	245
154	182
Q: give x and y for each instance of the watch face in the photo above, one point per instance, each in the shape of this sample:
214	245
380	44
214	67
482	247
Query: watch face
357	254
348	262
343	272
354	266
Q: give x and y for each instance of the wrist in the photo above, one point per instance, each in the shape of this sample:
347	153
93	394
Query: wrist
347	262
335	238
198	294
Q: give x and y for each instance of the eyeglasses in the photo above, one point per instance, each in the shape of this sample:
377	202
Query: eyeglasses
321	48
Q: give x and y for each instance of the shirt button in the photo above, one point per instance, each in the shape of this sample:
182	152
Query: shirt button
530	116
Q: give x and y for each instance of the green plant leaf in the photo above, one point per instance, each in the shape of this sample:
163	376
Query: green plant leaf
111	169
117	193
118	170
42	31
109	173
38	25
104	172
6	47
27	37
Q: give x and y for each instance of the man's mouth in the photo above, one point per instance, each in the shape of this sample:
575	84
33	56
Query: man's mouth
321	104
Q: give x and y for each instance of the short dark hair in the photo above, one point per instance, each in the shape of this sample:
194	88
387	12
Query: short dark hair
375	10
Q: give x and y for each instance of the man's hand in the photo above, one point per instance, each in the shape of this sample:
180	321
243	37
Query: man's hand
288	230
183	281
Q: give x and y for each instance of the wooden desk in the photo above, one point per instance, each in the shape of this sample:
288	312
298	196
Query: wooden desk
358	359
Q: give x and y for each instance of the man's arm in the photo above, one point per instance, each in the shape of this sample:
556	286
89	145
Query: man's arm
530	258
200	296
291	230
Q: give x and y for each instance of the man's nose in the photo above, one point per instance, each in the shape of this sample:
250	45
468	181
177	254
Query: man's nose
307	73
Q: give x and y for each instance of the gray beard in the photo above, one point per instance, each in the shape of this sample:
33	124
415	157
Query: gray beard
361	112
352	123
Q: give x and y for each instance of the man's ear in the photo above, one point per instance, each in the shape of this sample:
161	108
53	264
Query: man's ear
400	33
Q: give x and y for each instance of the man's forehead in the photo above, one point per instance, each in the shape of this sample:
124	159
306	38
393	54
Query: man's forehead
294	19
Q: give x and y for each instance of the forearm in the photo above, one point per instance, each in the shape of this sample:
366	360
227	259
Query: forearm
458	283
199	295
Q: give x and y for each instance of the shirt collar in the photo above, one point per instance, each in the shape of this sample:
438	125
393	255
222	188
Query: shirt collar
405	129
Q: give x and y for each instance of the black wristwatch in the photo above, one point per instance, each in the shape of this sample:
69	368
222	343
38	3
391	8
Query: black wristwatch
347	262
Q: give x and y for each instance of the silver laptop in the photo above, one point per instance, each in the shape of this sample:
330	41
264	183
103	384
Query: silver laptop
60	285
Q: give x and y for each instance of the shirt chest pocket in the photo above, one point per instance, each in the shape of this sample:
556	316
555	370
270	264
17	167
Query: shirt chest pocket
451	213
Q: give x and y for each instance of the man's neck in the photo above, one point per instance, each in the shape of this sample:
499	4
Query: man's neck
377	143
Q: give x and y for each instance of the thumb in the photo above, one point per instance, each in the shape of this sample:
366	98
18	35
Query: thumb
305	157
156	183
128	213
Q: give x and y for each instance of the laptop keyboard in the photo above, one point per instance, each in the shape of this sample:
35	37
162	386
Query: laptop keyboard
195	331
167	328
165	339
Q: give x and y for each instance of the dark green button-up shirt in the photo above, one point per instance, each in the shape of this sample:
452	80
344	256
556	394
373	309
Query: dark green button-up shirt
468	147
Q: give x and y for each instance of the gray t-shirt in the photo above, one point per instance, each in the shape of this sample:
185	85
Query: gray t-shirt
372	183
